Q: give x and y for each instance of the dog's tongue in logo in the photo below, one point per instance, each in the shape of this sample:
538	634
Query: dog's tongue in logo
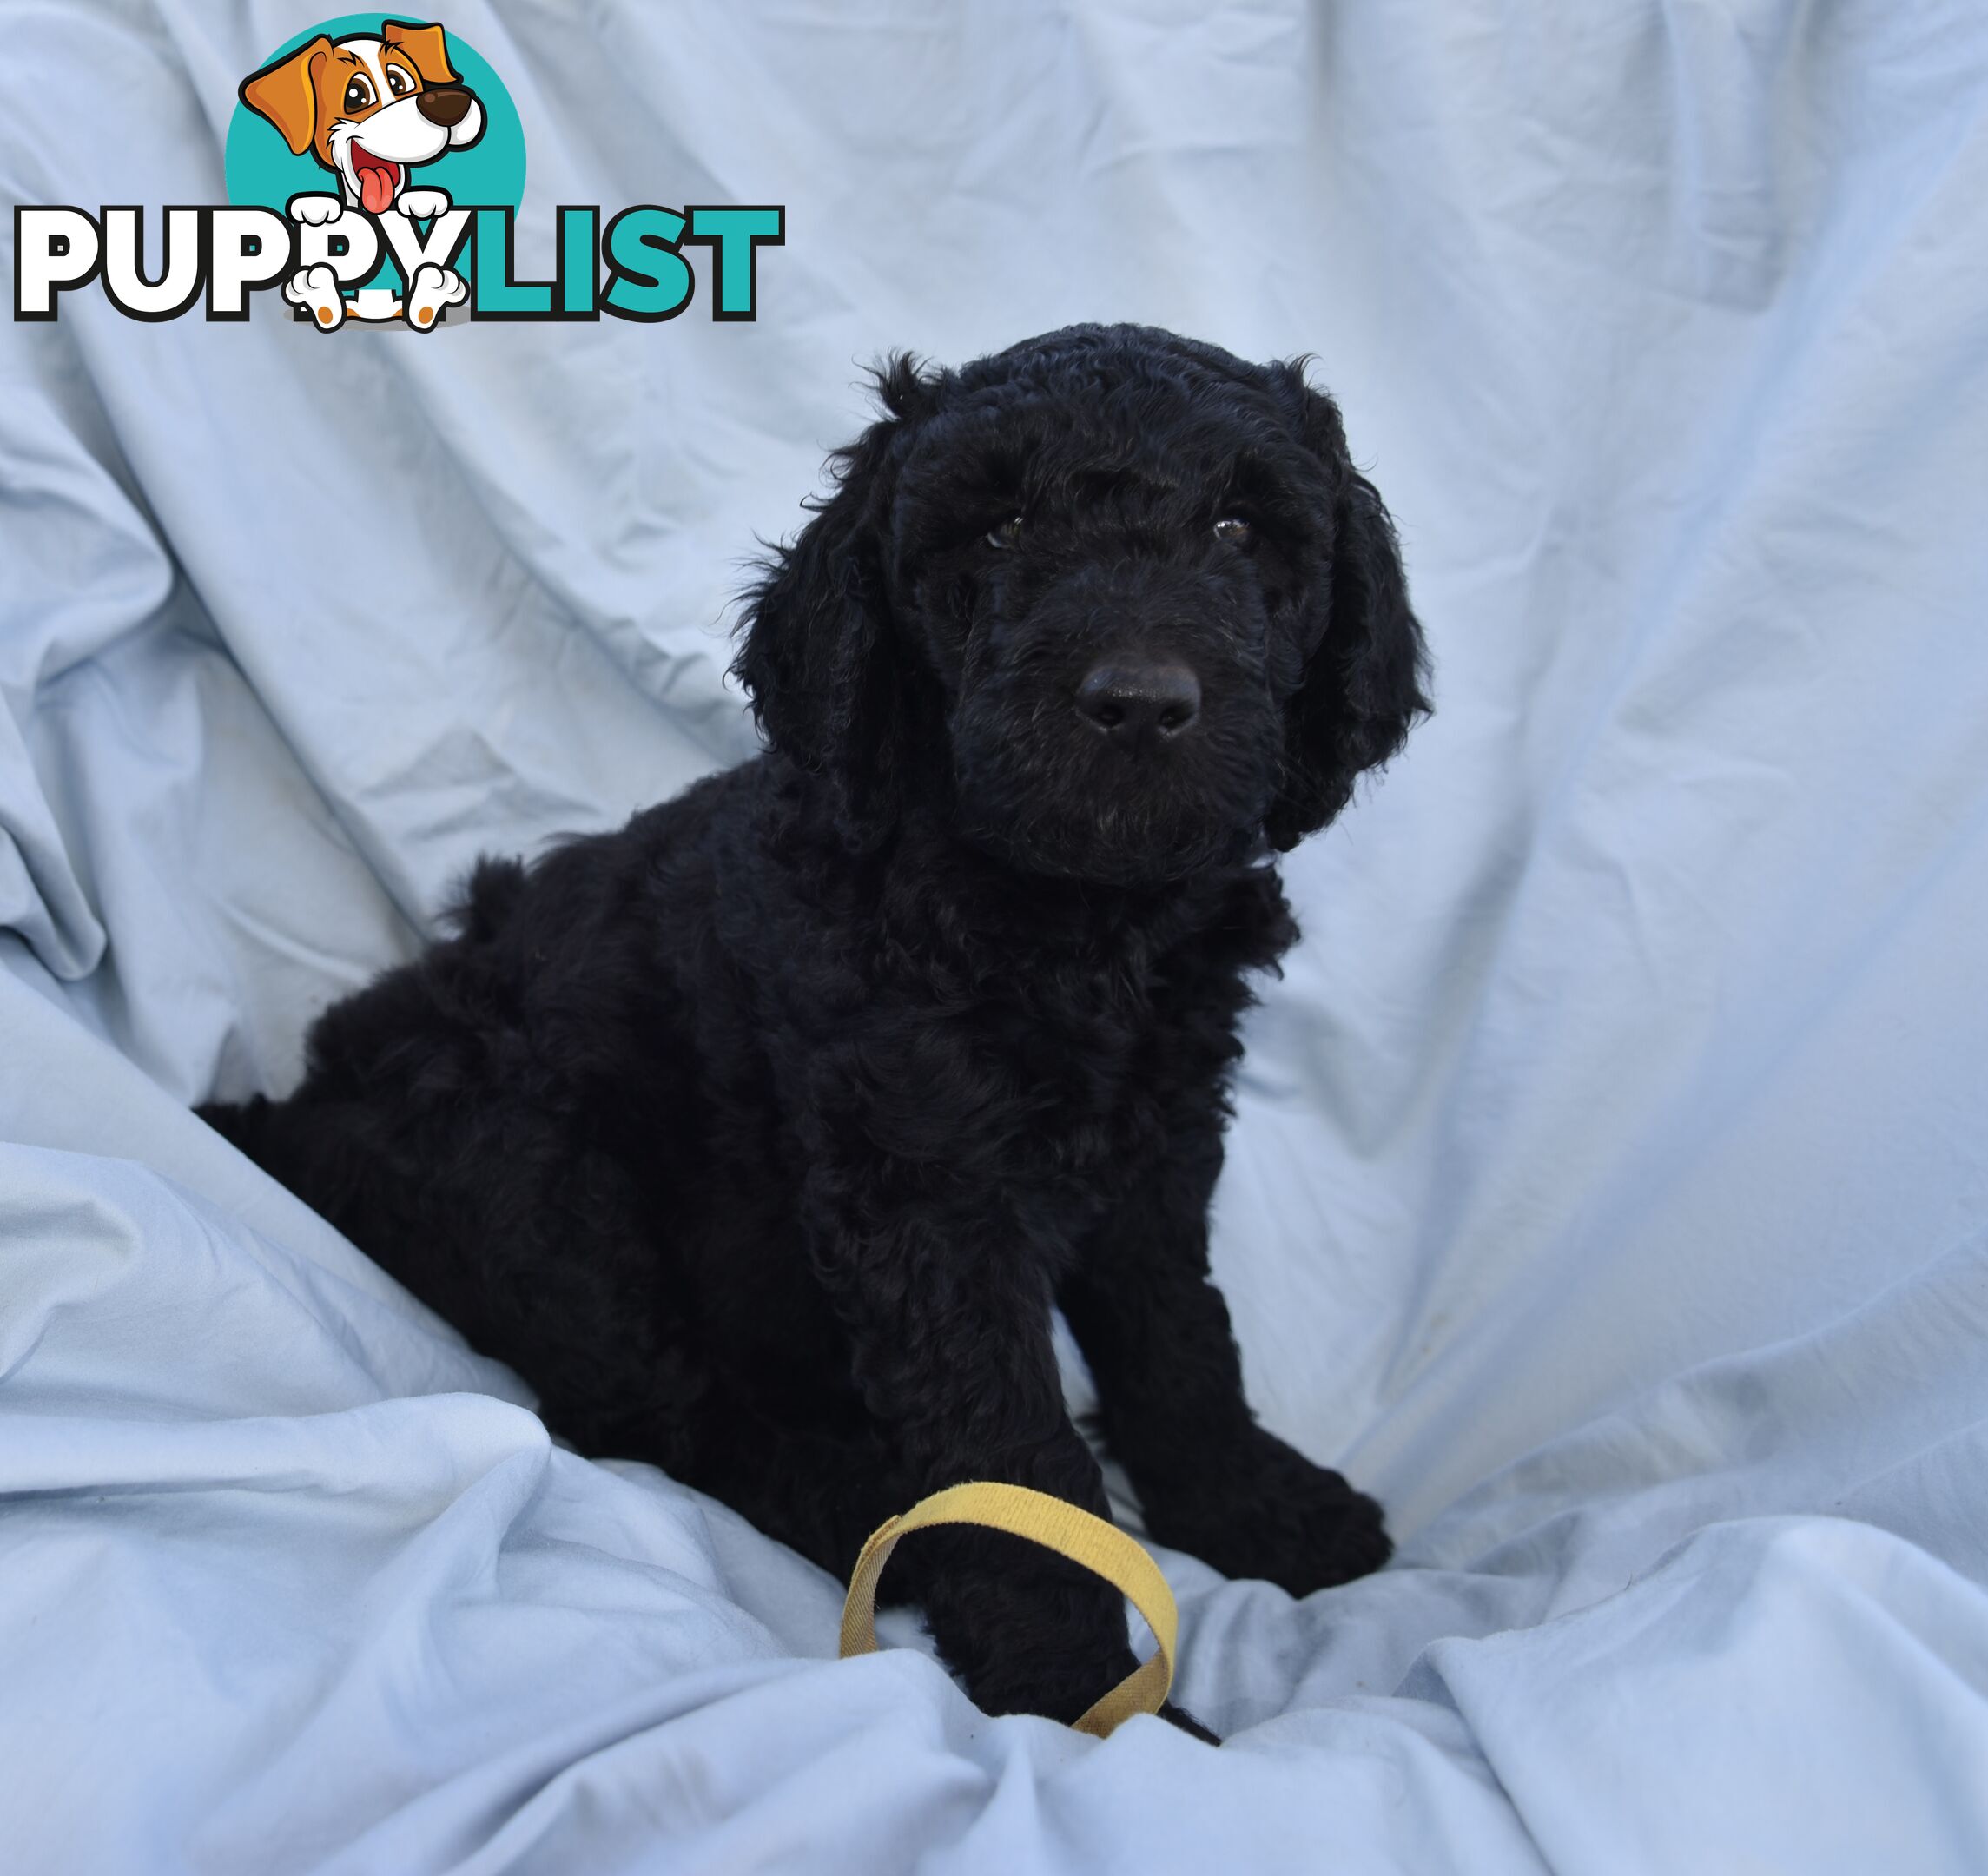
377	181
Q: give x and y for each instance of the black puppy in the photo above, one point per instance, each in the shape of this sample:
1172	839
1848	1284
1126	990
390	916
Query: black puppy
762	1136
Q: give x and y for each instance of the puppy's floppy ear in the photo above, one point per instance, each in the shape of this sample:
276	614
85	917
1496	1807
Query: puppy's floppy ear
287	93
820	659
427	45
1361	689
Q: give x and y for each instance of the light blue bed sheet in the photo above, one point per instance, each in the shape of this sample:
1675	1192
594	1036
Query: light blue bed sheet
1609	1186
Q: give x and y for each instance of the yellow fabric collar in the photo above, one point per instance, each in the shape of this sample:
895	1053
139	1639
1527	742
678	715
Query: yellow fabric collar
1062	1528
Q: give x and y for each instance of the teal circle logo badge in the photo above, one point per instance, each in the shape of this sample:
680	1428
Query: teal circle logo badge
365	131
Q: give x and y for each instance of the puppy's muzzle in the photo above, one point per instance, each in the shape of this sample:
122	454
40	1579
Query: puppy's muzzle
447	105
1134	702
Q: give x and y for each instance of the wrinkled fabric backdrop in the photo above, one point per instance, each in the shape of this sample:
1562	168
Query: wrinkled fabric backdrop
1609	1190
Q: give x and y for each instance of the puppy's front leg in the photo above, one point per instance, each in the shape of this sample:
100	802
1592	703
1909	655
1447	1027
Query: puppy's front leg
948	1316
316	289
315	210
1156	1334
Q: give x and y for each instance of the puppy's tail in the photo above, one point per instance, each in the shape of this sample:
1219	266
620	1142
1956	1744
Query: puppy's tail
299	1144
245	1124
487	899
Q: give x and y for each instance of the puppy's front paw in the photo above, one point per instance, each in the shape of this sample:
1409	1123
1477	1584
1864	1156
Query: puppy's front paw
422	204
315	210
1270	1513
433	289
316	289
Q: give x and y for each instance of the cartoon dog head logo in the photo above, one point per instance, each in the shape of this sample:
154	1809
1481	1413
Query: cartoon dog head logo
369	107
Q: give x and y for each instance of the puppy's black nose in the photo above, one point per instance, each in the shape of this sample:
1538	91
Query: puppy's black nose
1131	699
443	104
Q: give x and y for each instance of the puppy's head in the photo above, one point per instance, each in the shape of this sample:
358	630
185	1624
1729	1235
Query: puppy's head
1115	603
369	107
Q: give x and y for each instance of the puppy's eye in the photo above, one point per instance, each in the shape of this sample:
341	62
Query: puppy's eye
1234	530
358	94
398	81
1008	534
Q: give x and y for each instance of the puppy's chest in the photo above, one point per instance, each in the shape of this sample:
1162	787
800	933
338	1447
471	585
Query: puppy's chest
1027	1090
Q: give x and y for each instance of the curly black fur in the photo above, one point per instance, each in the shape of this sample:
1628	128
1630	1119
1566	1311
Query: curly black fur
762	1136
